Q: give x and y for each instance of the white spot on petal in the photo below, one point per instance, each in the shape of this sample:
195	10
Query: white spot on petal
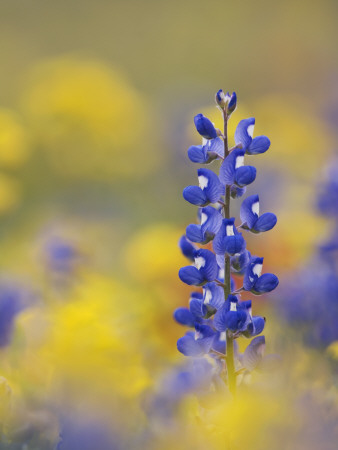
257	269
207	297
230	230
250	130
239	162
233	306
223	336
199	262
255	208
204	141
198	335
251	279
203	182
204	218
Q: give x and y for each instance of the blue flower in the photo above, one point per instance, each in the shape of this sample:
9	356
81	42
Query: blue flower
230	317
208	152
219	342
61	255
250	216
210	189
198	343
196	312
211	220
243	138
12	301
205	127
228	240
254	353
233	171
205	269
187	248
239	262
226	101
255	282
213	296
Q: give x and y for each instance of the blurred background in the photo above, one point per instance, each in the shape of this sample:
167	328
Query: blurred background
97	100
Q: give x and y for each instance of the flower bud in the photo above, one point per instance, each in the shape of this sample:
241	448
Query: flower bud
222	99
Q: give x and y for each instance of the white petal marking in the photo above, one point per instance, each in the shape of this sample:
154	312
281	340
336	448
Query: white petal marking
223	336
230	230
199	262
207	297
255	208
233	306
203	182
239	162
257	269
250	130
204	218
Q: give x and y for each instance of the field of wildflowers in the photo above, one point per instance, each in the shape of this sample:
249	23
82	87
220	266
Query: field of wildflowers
120	201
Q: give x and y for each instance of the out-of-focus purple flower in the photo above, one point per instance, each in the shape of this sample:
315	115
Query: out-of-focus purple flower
13	299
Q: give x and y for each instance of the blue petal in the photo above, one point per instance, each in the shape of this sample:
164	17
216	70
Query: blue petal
239	261
253	354
213	295
220	319
187	248
249	210
210	184
234	244
194	233
215	146
266	222
232	103
189	346
228	167
184	317
226	231
245	175
256	326
208	265
197	308
266	283
211	220
205	127
237	192
198	154
250	277
191	276
219	343
195	196
244	132
259	144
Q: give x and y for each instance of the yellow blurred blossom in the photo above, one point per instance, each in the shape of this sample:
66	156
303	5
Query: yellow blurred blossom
13	140
89	119
153	253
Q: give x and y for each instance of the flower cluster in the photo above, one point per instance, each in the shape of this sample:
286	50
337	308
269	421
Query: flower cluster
216	314
311	303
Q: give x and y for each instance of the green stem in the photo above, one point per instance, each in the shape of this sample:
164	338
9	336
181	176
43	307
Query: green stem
227	283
